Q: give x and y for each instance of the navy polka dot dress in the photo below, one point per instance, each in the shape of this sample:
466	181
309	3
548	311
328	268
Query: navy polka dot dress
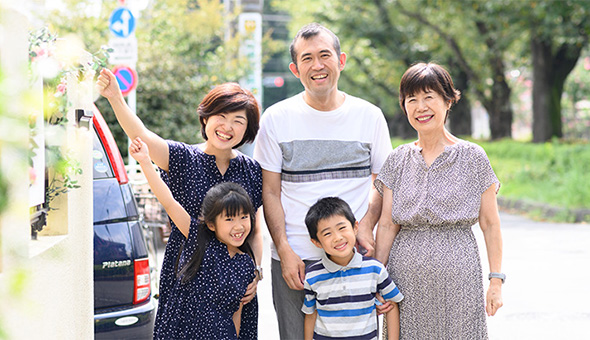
203	308
191	173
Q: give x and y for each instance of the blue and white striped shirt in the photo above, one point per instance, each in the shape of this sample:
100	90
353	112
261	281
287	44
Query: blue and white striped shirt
344	297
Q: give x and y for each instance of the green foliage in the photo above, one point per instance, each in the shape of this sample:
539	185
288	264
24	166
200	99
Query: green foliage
575	104
64	171
479	41
554	173
183	53
3	179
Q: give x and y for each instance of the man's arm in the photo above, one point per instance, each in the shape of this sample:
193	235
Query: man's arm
291	264
131	124
367	223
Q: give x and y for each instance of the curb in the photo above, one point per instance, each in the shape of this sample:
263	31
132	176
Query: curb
545	211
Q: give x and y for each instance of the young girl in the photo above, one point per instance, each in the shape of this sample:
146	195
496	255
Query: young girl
205	301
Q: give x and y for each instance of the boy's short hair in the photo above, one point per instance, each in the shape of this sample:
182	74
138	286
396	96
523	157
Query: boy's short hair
325	208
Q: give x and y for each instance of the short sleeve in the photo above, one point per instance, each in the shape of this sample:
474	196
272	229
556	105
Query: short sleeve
256	194
387	287
267	150
310	299
381	147
178	157
241	273
191	242
388	173
485	174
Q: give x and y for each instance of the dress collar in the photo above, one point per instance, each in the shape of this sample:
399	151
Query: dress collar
331	266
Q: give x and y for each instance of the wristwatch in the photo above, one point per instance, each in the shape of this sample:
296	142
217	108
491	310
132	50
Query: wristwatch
500	276
258	271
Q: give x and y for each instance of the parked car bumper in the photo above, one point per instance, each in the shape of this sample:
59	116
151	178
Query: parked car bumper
135	323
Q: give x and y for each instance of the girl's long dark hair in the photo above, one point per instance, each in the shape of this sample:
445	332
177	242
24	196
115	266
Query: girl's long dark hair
224	198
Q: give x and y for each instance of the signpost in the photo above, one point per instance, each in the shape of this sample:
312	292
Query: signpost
250	28
126	77
124	50
124	44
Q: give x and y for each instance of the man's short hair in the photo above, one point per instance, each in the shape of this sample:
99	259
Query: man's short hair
326	208
309	31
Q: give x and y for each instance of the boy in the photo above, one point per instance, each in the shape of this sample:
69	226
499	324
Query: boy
340	289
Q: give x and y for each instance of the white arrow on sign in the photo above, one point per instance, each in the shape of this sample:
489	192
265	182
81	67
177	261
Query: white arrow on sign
122	25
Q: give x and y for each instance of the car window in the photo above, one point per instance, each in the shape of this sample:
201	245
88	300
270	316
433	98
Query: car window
101	166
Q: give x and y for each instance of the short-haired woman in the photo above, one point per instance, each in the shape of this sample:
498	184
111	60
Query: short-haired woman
434	190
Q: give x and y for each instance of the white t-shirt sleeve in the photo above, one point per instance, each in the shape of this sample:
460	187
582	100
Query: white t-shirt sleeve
267	150
381	145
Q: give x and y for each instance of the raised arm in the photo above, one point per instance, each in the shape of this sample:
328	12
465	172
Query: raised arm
367	223
139	151
489	221
133	126
291	264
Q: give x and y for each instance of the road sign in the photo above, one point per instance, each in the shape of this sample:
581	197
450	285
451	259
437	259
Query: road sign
250	27
126	77
122	22
124	51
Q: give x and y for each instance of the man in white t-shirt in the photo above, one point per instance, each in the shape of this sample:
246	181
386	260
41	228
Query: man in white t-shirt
321	142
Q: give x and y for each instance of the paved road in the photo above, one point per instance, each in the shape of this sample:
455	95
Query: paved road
547	291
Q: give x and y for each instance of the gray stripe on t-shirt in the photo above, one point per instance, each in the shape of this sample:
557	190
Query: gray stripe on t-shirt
316	160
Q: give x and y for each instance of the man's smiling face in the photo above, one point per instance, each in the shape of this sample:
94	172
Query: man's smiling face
318	64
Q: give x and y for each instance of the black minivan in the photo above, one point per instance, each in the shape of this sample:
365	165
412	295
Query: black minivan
123	303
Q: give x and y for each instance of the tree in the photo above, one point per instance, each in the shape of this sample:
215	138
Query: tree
183	53
383	38
559	32
480	43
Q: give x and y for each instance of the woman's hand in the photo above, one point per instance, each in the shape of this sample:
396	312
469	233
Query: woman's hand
494	297
107	84
385	306
250	291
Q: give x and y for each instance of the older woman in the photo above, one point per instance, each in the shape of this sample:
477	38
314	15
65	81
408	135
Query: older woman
434	190
229	117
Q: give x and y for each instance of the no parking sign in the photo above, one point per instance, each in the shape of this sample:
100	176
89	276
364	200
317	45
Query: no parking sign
126	77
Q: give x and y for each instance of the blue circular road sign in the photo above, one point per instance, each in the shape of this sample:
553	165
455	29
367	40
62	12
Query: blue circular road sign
122	22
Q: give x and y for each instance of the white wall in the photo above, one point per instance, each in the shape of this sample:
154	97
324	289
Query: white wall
46	286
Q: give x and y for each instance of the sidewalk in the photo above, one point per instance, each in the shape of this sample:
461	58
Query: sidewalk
546	295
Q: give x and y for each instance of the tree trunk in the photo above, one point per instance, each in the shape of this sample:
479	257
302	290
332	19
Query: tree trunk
501	113
460	115
498	106
550	72
541	56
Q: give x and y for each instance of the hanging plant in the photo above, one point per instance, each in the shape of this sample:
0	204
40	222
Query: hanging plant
61	170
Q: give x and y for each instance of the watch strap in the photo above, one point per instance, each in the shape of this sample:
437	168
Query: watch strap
258	270
500	276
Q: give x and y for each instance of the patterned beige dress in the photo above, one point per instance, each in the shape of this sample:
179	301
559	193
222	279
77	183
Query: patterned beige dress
434	259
